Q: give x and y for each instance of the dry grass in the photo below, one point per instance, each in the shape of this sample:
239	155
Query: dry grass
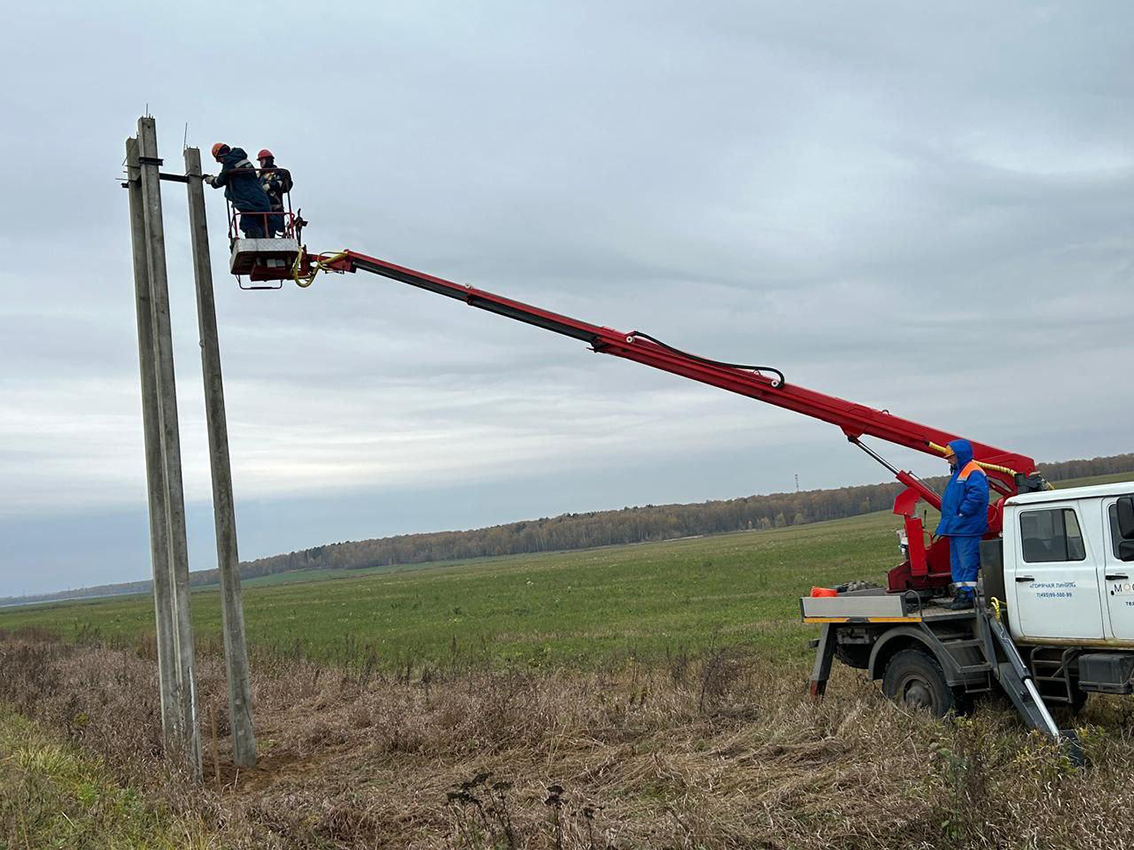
719	751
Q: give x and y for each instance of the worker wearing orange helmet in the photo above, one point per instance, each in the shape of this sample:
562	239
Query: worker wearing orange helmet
242	188
276	183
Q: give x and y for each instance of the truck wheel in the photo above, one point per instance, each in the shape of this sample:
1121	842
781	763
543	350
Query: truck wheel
914	679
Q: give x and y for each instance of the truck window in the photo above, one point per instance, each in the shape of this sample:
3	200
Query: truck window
1115	537
1051	536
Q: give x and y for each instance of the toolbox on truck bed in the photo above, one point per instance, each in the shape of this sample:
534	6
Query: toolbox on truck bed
1106	672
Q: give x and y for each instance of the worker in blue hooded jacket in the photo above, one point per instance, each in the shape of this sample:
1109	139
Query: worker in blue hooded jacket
242	188
964	519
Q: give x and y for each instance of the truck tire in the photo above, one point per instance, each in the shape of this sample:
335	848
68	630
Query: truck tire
914	679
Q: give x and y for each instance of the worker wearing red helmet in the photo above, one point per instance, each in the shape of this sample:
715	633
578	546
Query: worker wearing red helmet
242	188
964	519
276	183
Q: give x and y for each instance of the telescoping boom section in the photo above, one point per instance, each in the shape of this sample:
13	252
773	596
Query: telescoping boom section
927	564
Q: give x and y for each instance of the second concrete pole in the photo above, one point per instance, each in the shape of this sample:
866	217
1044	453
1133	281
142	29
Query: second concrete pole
224	514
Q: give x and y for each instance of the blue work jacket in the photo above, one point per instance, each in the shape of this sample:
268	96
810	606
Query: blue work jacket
964	506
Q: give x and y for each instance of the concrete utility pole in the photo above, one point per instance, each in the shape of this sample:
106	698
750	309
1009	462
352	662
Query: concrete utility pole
168	543
155	473
228	560
171	589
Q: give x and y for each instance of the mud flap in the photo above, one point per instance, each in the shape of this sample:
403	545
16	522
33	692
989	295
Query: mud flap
824	653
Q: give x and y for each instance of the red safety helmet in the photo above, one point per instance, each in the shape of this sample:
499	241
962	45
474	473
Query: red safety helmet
265	154
220	149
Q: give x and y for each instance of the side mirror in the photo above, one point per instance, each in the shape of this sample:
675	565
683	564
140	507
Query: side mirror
1126	517
1126	550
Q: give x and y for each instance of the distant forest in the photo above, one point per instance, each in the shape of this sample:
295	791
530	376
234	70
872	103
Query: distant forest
595	528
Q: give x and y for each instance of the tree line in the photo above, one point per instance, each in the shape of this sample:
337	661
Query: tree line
630	525
594	528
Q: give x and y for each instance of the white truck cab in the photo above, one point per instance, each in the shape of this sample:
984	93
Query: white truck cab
1064	579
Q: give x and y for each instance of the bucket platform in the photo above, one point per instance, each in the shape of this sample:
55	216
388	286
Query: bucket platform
264	259
269	256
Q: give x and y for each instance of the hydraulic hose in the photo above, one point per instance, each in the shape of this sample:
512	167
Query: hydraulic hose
320	264
707	361
941	450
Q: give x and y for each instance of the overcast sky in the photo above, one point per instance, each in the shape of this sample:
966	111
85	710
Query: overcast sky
920	206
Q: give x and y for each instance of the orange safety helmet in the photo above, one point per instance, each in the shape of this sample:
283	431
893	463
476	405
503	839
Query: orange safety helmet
220	149
265	154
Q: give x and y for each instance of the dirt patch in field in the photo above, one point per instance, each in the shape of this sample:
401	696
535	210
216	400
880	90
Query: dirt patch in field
719	751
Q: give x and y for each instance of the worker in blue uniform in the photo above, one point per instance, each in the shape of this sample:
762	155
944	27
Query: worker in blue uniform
964	520
242	188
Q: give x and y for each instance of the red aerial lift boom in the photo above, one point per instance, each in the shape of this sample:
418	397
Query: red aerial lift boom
926	568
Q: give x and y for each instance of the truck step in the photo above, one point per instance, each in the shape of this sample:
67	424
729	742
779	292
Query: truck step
982	667
963	642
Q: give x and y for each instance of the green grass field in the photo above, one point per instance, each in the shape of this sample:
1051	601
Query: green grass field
571	608
559	608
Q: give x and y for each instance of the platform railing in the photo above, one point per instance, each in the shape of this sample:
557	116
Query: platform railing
274	224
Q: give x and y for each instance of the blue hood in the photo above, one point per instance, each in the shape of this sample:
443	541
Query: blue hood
964	451
964	504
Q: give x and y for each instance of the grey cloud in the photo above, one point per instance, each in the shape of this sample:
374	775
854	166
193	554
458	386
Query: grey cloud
909	206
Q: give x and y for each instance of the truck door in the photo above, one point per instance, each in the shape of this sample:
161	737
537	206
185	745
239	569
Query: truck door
1056	579
1118	579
